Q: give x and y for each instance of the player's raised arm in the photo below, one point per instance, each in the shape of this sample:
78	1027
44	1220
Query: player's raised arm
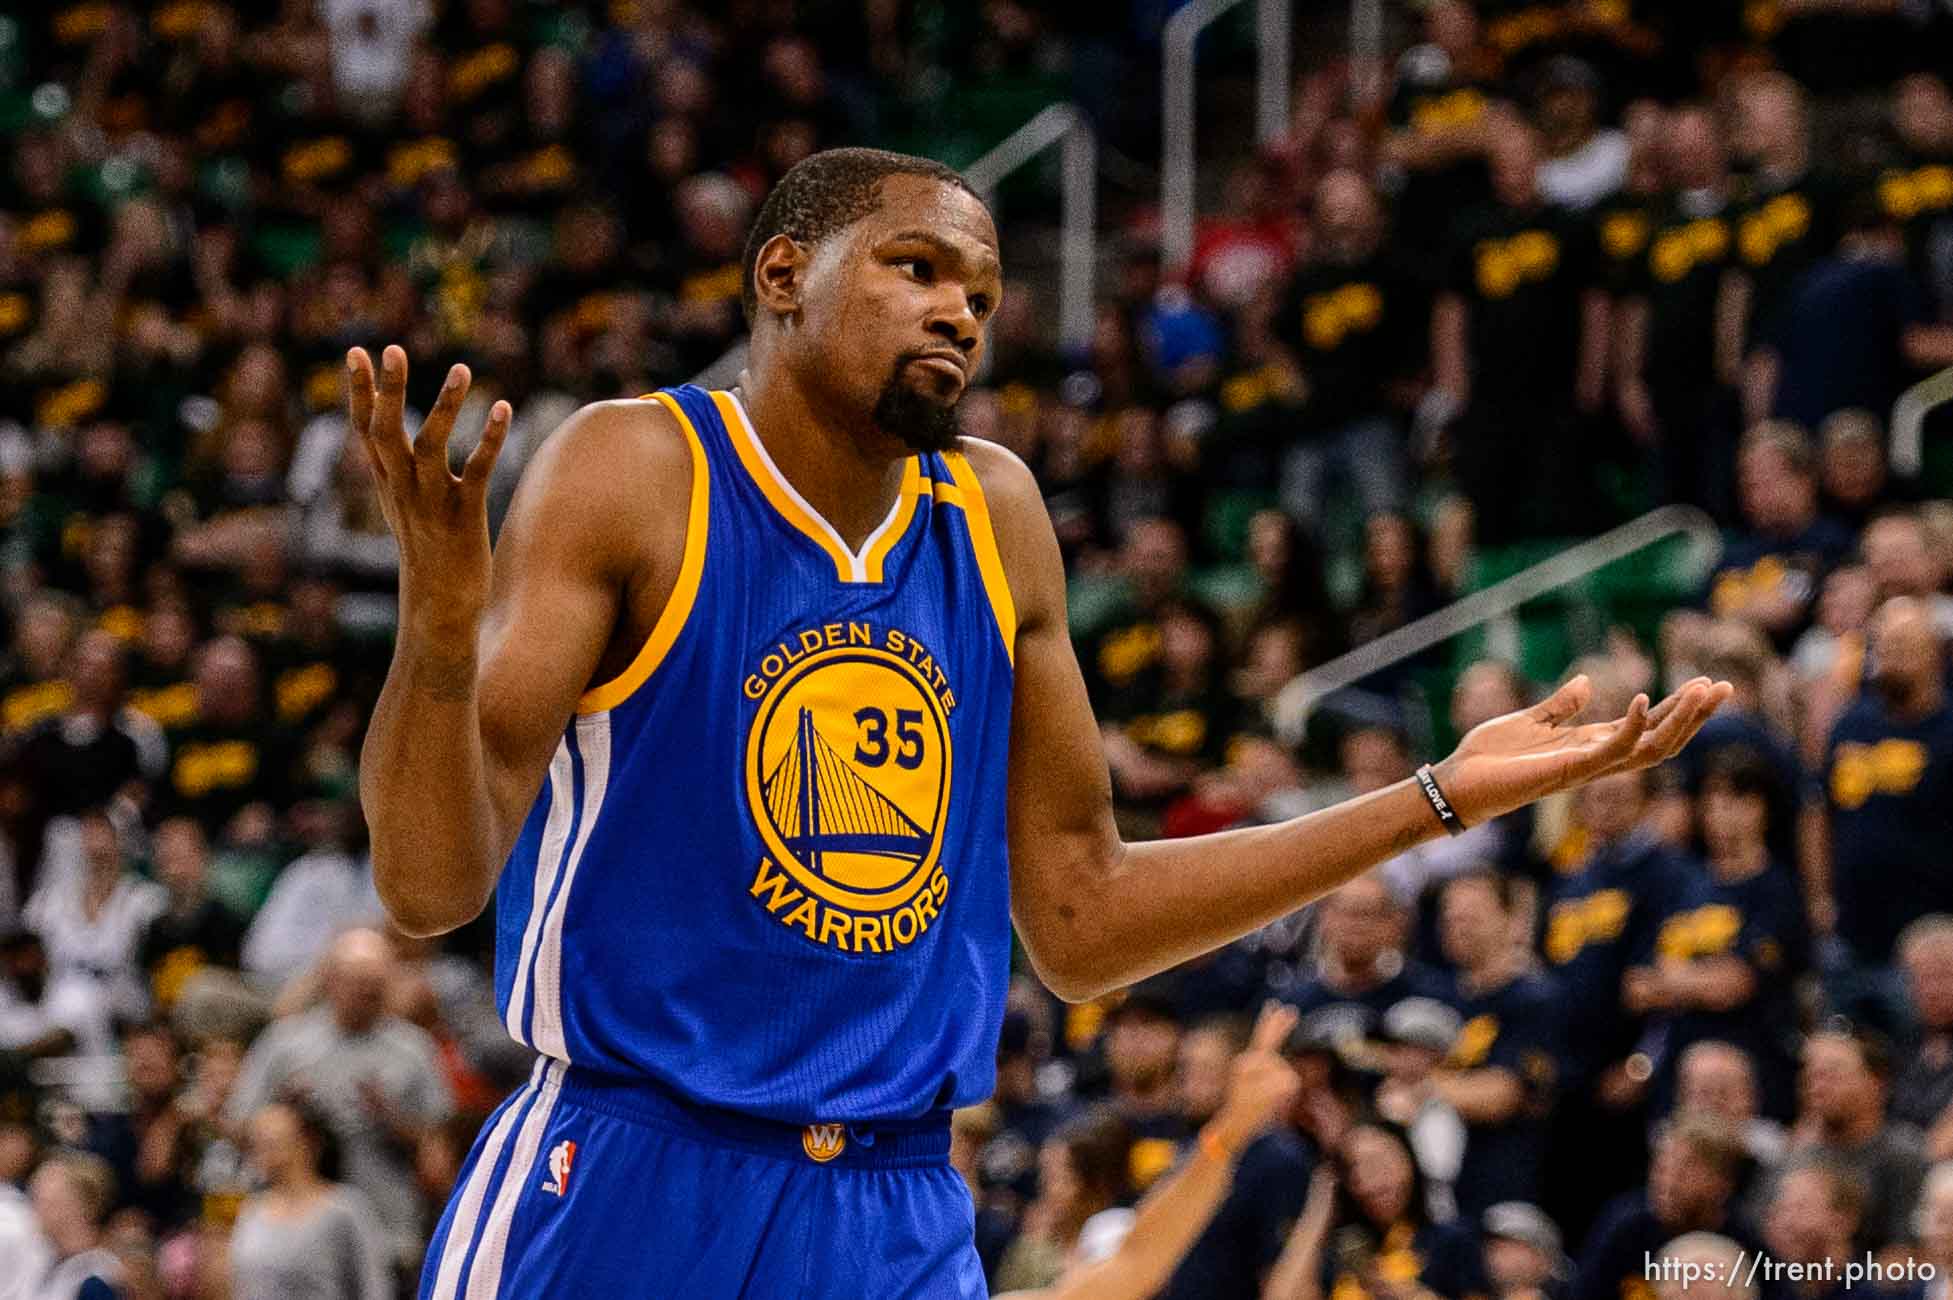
492	654
1096	914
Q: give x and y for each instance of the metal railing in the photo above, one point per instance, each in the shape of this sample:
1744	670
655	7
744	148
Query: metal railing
1065	125
1908	434
1300	697
1179	45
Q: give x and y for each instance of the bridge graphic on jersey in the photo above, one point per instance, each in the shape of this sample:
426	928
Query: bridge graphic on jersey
819	804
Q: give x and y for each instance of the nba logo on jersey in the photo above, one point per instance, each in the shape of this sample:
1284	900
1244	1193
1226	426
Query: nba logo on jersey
561	1157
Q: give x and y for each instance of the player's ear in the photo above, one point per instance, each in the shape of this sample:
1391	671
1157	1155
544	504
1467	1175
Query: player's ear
778	274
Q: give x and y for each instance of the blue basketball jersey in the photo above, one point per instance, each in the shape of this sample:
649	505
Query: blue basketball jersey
767	869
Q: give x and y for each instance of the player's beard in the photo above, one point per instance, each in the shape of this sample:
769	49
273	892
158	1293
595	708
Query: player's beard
920	420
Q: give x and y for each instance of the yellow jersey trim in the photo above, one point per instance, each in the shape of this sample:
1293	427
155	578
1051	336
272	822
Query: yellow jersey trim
983	539
767	481
684	592
897	526
947	493
792	507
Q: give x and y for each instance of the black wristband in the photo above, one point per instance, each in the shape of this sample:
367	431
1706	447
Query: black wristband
1447	815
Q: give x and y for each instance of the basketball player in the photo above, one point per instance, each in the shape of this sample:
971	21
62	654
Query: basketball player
762	726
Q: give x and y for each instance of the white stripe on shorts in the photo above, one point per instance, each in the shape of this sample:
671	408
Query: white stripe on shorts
593	742
549	857
485	1278
467	1214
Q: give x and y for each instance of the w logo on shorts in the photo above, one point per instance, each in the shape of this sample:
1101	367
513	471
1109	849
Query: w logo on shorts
561	1157
822	1142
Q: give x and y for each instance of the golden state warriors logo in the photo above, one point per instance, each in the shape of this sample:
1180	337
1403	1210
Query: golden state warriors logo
847	780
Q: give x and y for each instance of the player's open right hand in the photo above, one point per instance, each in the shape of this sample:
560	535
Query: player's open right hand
439	518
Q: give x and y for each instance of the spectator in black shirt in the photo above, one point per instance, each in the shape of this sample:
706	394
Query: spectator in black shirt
1121	654
32	687
1844	1085
1502	1072
1586	161
1917	192
233	758
1692	1181
1440	113
1245	1237
1398	588
1784	221
1360	970
53	222
703	280
1600	919
1728	956
1738	653
97	749
147	1145
1519	342
1672	398
1365	1229
1523	1256
1812	1221
163	690
1353	320
1887	804
1856	328
1903	561
536	170
196	931
1142	1047
1179	721
1770	574
1852	466
1922	1089
1716	1078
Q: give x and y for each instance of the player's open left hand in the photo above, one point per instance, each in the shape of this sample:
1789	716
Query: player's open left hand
439	518
1509	762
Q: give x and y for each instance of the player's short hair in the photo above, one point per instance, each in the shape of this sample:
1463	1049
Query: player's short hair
826	192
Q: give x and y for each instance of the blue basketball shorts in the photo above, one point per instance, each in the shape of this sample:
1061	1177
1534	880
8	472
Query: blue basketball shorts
582	1185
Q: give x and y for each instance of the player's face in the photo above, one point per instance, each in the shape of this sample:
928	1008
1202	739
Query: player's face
898	304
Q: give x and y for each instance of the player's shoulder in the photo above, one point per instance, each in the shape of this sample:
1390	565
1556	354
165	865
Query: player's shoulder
1022	529
610	456
1009	487
603	442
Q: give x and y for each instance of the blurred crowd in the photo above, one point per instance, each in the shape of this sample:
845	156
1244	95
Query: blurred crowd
1549	266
